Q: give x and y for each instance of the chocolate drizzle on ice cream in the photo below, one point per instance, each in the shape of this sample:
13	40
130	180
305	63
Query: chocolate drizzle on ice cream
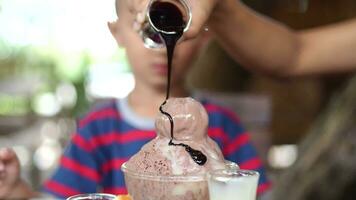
196	155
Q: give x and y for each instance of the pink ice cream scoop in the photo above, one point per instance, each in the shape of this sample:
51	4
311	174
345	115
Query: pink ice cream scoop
163	171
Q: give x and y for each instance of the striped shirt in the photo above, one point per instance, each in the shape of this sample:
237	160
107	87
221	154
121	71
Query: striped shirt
108	136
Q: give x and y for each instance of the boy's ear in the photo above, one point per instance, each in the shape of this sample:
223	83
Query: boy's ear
115	31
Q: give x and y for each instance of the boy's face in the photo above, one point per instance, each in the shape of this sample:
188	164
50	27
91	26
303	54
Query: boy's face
150	65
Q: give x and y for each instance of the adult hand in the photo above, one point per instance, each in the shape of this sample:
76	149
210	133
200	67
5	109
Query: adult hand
201	11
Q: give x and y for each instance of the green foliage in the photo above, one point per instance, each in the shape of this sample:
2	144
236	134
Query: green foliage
13	106
51	67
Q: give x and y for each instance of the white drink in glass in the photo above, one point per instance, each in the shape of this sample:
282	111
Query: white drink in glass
232	184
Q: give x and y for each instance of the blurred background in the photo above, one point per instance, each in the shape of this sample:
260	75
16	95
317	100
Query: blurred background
58	57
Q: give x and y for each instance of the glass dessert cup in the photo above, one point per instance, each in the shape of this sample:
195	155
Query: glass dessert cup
93	196
173	187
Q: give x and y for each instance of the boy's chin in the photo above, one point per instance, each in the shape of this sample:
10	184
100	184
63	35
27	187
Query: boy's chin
159	81
160	85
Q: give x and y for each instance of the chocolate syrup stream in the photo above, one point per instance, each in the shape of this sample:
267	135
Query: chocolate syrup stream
163	12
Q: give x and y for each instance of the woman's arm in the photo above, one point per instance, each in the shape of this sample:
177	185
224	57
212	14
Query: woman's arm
262	44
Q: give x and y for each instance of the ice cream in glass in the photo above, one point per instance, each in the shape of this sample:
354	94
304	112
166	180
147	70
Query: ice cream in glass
174	166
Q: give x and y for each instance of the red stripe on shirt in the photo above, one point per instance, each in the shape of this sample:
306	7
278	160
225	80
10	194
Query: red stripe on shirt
112	164
115	190
252	164
121	138
80	142
215	108
100	114
263	187
60	189
104	139
132	136
239	141
218	133
80	169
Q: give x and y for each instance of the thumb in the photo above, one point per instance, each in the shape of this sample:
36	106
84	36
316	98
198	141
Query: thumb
201	10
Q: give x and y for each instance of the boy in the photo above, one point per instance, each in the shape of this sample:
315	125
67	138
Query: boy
111	133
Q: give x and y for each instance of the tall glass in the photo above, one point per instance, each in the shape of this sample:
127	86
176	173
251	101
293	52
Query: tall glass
232	184
93	196
150	33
